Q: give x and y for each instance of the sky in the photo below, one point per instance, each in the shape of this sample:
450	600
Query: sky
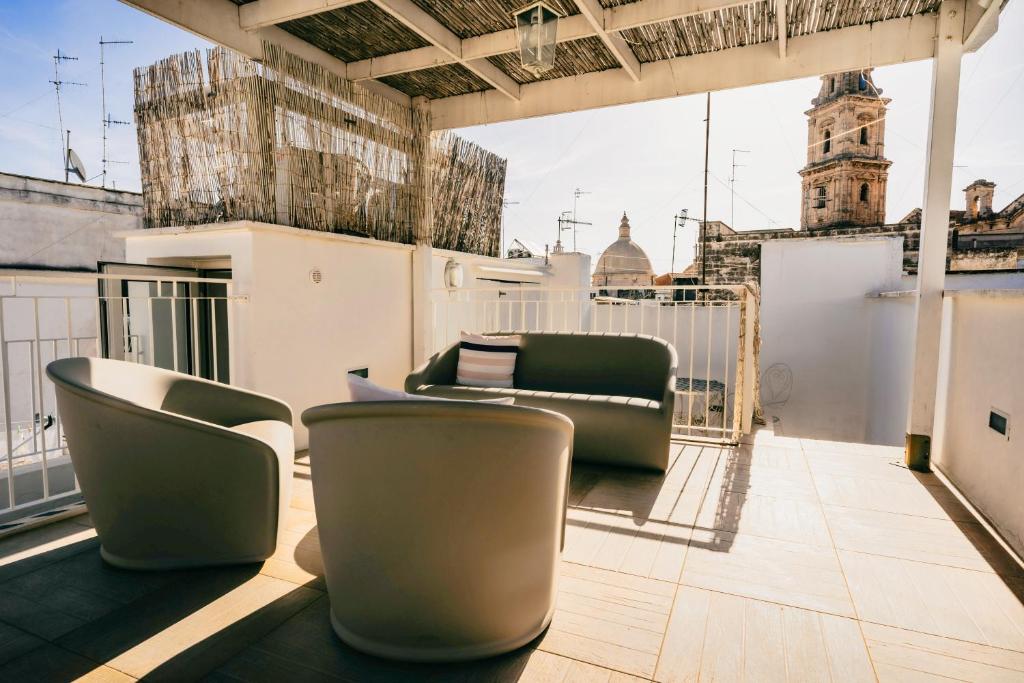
645	159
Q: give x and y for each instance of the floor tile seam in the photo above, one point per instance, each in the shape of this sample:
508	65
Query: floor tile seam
842	570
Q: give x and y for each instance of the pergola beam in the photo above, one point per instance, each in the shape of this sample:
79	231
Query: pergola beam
479	47
985	26
431	30
575	27
255	15
595	15
847	49
782	26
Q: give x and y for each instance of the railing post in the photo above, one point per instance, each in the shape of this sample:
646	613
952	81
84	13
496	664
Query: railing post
8	424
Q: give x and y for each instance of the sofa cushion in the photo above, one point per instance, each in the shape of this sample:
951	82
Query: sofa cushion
486	360
363	390
455	391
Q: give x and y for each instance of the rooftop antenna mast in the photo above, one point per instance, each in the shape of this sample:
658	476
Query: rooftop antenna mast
567	221
58	59
505	203
732	186
108	120
576	194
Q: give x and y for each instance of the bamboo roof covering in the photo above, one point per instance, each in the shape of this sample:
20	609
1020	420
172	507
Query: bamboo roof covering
461	57
366	30
358	31
709	32
439	81
573	58
812	16
469	18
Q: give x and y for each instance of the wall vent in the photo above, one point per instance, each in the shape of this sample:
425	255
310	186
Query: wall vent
316	276
999	421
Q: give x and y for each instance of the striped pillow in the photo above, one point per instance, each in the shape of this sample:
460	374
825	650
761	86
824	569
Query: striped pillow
486	361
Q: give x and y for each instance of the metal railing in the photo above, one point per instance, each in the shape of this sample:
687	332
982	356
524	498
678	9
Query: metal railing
711	328
176	323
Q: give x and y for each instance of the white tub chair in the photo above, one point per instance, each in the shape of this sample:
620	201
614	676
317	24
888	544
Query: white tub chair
176	471
440	523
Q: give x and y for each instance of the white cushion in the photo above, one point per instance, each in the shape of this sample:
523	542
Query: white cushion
361	389
487	361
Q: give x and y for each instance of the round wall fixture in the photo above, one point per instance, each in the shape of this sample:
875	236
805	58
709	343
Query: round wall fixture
316	276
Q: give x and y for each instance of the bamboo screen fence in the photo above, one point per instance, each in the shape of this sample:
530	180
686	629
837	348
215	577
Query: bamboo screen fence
468	189
285	141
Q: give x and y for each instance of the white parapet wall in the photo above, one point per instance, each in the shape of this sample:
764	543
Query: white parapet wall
819	370
315	305
981	372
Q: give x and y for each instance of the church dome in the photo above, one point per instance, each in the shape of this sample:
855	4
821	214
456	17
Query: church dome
623	263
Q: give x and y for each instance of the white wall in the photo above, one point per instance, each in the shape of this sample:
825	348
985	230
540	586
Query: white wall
981	354
305	337
44	223
892	352
292	338
816	326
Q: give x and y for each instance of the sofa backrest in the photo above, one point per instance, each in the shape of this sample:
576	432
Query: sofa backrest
595	363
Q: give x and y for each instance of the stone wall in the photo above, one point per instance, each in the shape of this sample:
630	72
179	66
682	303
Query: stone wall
46	224
736	258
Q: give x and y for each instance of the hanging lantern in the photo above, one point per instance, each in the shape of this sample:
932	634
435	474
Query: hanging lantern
536	27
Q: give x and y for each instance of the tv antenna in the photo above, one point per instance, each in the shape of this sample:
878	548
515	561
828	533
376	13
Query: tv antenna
567	221
576	194
505	203
732	186
65	144
108	120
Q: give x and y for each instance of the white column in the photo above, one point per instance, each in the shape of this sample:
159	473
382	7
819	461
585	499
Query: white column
931	270
422	258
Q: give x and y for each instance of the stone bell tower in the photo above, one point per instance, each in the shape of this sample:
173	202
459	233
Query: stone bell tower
846	173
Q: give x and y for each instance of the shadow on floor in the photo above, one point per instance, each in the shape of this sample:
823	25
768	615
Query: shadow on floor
997	557
621	491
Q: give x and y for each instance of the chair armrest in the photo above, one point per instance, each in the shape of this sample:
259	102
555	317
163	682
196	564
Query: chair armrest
221	404
438	369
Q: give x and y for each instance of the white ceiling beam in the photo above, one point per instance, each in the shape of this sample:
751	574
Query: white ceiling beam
782	26
979	29
254	15
217	21
848	49
595	15
431	30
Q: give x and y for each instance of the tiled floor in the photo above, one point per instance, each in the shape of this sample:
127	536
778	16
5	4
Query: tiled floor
782	559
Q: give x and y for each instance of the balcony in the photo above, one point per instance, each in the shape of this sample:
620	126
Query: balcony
760	553
775	559
799	550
